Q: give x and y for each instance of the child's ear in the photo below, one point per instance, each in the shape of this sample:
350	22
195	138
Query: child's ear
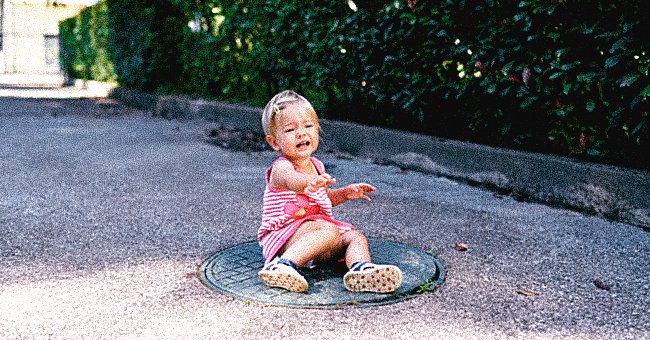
271	140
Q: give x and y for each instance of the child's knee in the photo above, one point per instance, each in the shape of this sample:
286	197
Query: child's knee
330	232
327	232
325	227
355	236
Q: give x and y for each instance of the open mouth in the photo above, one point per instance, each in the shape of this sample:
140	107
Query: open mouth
303	145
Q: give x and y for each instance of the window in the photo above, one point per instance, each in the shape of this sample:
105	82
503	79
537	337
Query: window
51	50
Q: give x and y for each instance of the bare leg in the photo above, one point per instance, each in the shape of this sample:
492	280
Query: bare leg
356	247
370	277
317	240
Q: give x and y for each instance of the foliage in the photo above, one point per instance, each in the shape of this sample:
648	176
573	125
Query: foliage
84	52
68	55
568	77
144	40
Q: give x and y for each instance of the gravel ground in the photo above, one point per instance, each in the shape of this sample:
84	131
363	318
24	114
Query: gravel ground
106	213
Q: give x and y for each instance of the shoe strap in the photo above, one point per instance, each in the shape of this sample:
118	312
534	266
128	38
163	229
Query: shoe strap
360	265
287	262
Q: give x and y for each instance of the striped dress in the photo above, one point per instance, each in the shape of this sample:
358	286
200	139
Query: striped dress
285	210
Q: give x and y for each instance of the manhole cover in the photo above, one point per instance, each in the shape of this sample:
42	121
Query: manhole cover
233	271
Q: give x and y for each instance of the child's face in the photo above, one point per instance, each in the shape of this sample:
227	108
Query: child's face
295	134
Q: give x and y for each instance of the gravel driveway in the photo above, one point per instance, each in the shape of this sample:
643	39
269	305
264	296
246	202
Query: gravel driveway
106	212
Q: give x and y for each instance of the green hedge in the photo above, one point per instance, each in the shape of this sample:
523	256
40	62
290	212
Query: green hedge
146	39
84	53
560	76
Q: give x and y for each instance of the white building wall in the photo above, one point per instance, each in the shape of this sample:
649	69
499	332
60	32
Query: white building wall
27	28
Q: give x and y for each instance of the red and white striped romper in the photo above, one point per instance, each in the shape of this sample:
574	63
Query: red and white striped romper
285	210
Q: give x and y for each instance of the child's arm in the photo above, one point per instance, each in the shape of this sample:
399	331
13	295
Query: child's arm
350	192
284	176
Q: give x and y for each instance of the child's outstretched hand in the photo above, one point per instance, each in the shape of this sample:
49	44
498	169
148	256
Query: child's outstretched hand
321	181
359	190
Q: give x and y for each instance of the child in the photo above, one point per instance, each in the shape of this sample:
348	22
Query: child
297	224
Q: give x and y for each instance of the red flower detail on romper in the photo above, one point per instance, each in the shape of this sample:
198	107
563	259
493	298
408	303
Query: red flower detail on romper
301	208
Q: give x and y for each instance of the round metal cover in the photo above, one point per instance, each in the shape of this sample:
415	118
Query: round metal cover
233	271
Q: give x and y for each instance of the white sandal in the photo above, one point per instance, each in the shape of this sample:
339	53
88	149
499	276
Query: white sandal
374	278
282	274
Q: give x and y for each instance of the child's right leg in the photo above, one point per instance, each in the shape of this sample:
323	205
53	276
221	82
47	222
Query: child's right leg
313	240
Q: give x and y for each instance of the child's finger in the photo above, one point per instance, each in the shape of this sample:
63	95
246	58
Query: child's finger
368	187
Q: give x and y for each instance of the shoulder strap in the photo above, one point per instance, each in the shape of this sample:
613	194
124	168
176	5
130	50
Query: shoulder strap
320	168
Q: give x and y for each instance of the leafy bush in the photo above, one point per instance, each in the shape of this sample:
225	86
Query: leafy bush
69	55
84	52
145	43
568	77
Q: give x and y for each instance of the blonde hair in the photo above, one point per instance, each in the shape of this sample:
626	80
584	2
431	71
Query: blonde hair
277	104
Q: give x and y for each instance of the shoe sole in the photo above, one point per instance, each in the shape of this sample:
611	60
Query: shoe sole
380	279
289	281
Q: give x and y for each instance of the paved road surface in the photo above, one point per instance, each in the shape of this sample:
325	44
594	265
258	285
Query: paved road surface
106	212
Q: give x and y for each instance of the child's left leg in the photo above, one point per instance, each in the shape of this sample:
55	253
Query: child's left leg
356	247
365	276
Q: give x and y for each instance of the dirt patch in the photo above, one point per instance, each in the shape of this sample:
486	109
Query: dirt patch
237	140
